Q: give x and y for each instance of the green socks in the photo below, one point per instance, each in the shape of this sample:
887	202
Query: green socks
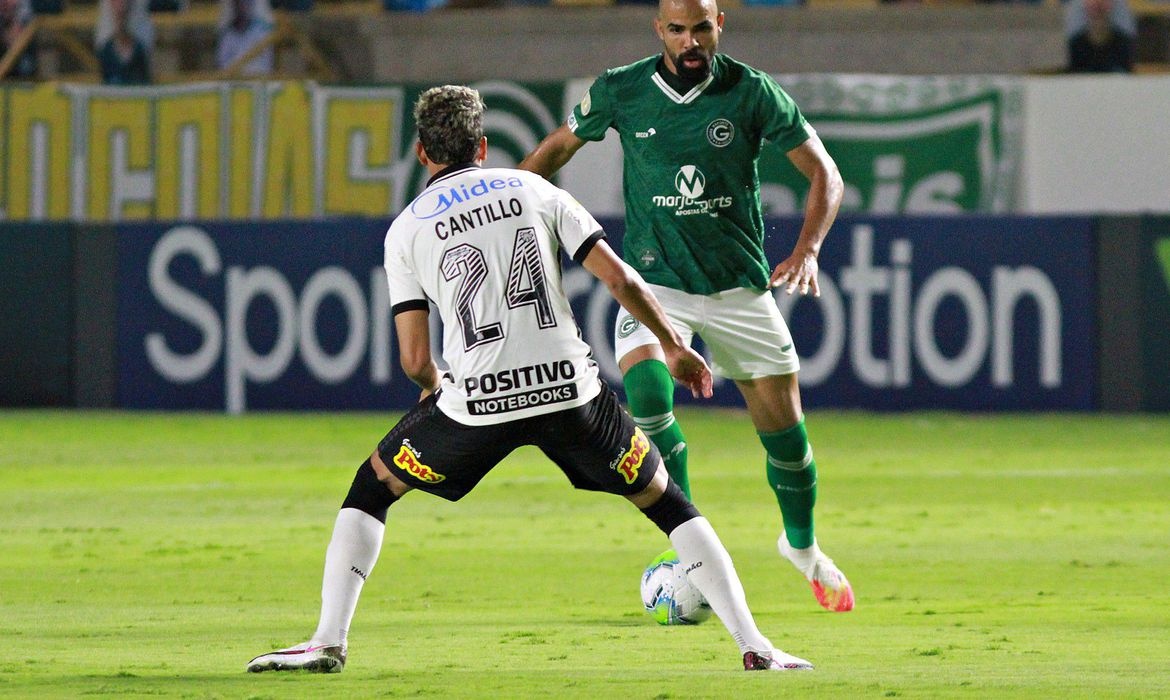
792	473
650	395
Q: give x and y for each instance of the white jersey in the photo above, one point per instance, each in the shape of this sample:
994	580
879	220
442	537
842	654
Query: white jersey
484	245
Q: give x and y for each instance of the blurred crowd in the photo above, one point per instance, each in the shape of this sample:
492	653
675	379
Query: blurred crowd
124	39
1101	34
18	53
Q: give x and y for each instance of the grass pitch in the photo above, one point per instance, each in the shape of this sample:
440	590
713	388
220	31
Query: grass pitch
992	556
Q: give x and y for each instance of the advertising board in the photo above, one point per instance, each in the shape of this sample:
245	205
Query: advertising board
949	312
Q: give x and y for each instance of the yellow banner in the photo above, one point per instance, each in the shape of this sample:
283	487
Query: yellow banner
201	151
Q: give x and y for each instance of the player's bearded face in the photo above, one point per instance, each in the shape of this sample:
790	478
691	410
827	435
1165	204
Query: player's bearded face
689	30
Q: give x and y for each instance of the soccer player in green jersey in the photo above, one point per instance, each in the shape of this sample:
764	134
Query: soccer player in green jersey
692	123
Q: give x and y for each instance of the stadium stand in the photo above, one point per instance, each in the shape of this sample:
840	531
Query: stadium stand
367	40
184	44
1153	36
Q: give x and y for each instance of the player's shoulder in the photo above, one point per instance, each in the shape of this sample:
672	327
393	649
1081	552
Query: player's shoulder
735	72
507	175
401	226
514	179
635	72
532	191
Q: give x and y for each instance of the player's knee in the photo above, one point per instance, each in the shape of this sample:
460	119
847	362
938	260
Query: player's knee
671	509
649	388
368	494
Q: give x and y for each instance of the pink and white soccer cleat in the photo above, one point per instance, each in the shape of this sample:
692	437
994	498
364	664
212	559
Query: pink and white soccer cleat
774	660
315	658
829	585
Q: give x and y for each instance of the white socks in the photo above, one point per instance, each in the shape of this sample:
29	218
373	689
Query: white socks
709	568
357	539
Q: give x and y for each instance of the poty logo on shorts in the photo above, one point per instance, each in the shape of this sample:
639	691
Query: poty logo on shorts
407	460
690	181
720	132
630	462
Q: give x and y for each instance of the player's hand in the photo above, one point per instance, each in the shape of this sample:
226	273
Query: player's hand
798	272
427	391
688	367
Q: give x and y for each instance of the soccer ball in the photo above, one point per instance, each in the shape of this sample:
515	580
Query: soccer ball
668	596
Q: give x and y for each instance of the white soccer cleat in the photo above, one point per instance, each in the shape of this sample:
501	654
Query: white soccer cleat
774	660
829	585
314	658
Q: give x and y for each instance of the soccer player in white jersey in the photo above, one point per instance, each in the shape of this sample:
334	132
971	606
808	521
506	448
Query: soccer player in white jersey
484	245
692	122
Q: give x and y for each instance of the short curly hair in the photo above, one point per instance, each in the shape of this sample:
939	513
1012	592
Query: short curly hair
449	119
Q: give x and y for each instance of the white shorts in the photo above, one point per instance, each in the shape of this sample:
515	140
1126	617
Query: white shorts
743	330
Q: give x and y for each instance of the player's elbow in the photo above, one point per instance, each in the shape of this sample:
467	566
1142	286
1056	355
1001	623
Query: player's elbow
834	185
416	364
622	282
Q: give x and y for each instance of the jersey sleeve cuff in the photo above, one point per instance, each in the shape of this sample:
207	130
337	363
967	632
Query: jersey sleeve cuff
584	248
410	305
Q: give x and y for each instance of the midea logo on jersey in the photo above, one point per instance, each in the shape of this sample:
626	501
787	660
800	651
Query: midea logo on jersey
689	181
437	200
720	132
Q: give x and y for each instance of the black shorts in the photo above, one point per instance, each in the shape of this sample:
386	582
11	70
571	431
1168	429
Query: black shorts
597	446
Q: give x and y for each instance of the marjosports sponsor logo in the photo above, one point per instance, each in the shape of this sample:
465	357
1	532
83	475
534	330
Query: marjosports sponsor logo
691	183
409	461
630	462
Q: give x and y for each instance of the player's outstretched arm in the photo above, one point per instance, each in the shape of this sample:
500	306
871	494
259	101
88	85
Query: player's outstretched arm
553	152
627	286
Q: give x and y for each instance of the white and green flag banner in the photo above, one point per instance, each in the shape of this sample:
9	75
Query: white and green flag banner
914	145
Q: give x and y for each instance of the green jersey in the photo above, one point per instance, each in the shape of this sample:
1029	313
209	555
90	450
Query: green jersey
690	181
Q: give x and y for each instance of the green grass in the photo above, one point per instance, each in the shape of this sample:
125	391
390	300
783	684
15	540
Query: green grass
992	556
